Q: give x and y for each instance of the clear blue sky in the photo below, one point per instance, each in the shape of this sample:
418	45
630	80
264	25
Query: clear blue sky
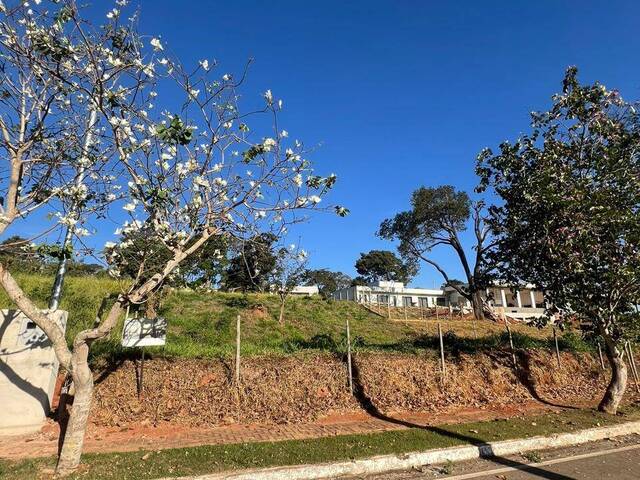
402	93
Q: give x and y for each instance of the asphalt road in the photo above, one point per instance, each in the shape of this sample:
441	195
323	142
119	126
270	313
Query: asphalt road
617	459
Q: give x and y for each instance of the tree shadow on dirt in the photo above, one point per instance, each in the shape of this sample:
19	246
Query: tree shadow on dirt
525	376
484	448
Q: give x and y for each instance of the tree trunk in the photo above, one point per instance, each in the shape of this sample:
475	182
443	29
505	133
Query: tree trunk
618	383
477	304
281	319
76	427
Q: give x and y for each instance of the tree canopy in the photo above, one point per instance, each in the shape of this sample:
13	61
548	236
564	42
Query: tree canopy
438	216
377	265
569	218
328	282
251	268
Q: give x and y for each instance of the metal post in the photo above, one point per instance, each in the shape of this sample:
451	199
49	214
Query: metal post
56	291
442	365
349	358
238	351
555	339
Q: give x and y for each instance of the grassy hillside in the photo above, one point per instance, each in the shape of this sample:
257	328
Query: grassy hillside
203	324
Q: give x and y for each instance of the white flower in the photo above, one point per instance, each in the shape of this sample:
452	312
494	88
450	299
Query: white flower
130	207
268	144
226	77
204	64
284	134
298	180
109	245
194	92
315	199
268	96
157	46
113	13
201	182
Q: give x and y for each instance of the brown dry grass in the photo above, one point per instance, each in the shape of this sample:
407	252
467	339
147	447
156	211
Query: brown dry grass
303	388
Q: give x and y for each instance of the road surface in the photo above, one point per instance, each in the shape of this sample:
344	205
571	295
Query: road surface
617	459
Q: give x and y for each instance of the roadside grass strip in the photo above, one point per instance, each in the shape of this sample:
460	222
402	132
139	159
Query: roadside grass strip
149	464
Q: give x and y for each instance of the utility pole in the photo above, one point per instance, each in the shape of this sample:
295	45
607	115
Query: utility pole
56	292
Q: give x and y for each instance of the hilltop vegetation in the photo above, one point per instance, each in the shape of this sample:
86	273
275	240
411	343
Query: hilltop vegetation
202	325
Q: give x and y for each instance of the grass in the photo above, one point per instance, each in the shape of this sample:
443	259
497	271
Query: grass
215	458
202	325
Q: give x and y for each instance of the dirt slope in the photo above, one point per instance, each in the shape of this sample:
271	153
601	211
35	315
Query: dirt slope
306	387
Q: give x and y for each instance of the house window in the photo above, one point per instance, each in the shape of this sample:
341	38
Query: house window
424	302
441	302
384	299
406	301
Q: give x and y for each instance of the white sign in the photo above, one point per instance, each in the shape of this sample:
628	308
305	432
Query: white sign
144	332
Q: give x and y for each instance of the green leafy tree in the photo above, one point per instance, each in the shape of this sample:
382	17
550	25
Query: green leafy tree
143	253
250	268
569	221
328	282
17	255
377	265
437	217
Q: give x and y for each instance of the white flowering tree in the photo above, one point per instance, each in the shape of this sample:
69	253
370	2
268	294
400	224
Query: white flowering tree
86	144
289	272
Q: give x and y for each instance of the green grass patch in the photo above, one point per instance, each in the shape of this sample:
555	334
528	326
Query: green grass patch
202	325
216	458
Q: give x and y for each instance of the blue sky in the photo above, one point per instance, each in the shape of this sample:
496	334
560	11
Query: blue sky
401	93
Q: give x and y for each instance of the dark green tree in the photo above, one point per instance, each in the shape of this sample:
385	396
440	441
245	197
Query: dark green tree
437	217
250	269
377	265
569	221
17	255
328	282
144	252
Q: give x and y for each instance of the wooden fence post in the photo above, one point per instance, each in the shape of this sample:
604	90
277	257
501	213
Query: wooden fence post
513	351
349	367
555	340
238	351
389	307
600	355
632	364
141	379
442	365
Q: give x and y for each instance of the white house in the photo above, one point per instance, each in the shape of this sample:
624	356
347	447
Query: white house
524	303
394	294
305	290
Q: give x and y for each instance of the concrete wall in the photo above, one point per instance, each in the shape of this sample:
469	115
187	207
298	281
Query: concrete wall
28	370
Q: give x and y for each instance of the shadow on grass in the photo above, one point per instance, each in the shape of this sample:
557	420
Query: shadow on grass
484	448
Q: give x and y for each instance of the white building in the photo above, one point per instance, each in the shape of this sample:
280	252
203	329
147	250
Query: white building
305	290
394	294
521	304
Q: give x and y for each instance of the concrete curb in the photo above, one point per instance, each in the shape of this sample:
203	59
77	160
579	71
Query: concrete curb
387	463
